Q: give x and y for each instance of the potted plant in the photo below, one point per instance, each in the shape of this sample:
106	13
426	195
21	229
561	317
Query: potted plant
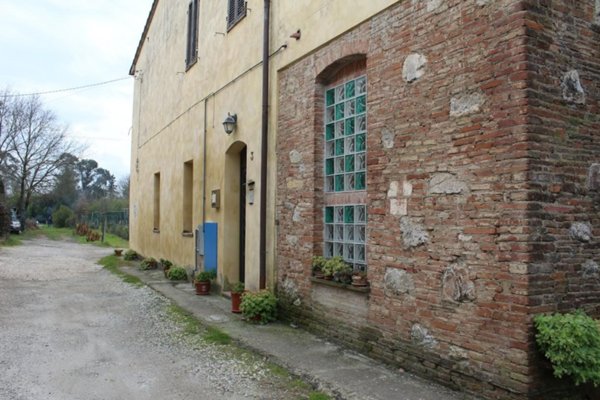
166	265
259	307
130	255
327	268
177	274
202	282
148	263
359	279
317	266
337	268
236	297
118	252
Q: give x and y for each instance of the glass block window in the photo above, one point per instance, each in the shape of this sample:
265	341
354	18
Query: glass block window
346	136
345	234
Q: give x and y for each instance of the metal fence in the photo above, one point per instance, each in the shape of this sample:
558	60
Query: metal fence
117	222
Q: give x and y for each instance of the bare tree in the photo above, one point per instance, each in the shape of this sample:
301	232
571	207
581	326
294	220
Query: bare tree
9	124
37	146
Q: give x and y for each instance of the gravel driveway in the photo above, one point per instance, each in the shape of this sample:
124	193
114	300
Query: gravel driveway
71	330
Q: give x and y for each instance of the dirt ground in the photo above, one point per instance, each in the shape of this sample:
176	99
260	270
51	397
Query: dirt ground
71	330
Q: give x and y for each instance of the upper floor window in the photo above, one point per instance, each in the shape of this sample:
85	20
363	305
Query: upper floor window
236	10
346	136
191	51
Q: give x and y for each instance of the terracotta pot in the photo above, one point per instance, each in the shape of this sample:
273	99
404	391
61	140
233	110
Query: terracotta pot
118	252
202	288
236	300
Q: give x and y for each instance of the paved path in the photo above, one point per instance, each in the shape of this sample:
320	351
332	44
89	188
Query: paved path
70	330
336	370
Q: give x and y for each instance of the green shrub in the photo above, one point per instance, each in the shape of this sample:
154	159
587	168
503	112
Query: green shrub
166	264
259	307
318	262
92	236
177	274
62	216
572	344
205	276
130	255
148	263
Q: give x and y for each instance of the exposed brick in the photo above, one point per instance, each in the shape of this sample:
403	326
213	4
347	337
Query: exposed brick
527	162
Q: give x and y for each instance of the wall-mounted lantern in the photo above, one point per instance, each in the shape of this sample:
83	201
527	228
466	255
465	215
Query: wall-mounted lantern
230	123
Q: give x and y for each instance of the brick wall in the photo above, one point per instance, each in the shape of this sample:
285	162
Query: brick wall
471	196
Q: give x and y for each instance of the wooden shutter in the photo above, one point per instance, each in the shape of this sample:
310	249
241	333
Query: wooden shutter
236	11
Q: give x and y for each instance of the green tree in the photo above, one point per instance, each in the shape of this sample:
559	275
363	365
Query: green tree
62	217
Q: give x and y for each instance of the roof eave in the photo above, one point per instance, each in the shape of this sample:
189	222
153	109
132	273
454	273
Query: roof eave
143	38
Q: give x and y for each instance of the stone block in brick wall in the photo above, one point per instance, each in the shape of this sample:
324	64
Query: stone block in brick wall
581	231
457	286
466	103
387	138
421	337
593	180
413	234
414	67
446	183
397	282
295	156
590	269
572	90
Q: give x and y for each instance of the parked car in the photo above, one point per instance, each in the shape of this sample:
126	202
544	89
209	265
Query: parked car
15	226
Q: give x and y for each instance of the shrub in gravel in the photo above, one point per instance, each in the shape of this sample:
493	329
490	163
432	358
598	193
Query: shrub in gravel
260	307
177	274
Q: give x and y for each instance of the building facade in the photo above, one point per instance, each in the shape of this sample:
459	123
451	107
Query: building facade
450	150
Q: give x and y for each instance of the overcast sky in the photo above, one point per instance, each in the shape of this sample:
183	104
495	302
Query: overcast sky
55	44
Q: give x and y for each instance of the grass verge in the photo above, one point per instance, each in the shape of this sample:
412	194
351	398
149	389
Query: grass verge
112	264
53	233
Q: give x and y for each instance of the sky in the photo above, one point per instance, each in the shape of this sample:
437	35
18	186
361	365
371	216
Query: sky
48	45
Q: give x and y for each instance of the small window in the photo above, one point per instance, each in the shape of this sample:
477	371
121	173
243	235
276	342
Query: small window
188	197
157	202
191	52
235	12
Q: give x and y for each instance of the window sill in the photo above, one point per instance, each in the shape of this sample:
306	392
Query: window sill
187	234
190	65
236	21
155	230
325	282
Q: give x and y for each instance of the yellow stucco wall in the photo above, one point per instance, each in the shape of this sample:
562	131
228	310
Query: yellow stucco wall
169	118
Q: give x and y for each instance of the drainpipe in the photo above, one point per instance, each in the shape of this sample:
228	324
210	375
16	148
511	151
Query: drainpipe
203	180
264	148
